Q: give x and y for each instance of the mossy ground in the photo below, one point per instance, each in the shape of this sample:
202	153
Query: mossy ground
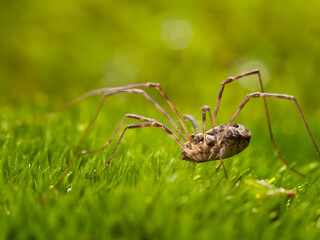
147	192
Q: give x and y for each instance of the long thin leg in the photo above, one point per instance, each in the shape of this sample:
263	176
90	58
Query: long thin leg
107	92
139	125
208	109
232	79
272	95
222	164
112	91
204	110
193	121
175	111
143	93
133	116
79	146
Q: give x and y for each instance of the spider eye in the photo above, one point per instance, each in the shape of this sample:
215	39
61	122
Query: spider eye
235	125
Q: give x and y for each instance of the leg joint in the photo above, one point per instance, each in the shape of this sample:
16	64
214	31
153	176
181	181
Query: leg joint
228	80
254	95
151	84
205	108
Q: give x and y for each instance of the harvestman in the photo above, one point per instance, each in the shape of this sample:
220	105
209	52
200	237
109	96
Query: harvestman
218	143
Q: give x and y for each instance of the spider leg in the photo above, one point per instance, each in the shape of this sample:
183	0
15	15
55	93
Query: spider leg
152	123
222	164
138	117
157	86
232	79
204	109
272	95
108	92
79	146
192	120
144	94
207	108
115	90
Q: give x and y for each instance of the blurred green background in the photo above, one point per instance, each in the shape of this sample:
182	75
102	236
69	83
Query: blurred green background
59	49
51	52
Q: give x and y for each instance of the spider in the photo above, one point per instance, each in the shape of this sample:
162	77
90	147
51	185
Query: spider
218	143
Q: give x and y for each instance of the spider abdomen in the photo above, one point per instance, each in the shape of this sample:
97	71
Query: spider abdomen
235	140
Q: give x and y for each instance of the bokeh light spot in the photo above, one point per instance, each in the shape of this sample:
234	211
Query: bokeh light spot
177	33
251	82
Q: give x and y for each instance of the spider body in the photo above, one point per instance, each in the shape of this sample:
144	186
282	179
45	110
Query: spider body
235	140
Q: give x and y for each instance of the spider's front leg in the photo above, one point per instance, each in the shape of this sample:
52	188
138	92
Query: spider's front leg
109	92
141	125
149	123
140	118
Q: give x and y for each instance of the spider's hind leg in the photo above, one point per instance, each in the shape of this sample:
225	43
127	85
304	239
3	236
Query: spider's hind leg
273	95
233	79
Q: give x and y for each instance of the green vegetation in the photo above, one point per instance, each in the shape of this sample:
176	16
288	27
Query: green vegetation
51	52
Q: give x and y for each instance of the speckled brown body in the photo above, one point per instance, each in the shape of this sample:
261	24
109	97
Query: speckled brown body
235	140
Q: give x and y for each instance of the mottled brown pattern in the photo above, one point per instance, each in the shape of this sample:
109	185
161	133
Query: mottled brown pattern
235	140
